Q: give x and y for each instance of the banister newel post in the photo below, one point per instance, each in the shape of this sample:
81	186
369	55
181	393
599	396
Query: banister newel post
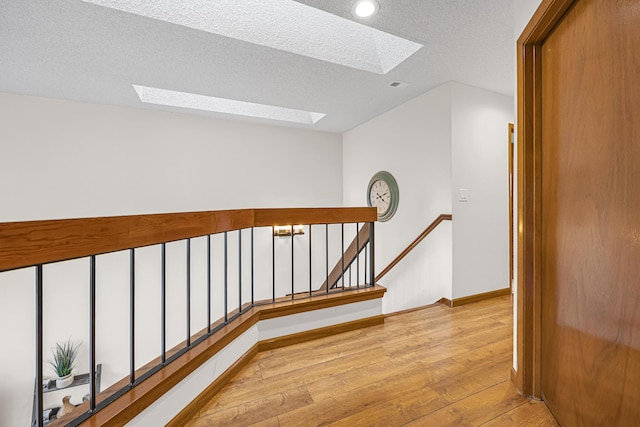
372	272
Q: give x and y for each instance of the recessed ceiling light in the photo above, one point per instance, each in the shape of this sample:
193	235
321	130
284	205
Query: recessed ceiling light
365	8
285	25
171	98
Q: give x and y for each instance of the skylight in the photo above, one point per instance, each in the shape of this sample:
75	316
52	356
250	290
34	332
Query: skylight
152	95
281	24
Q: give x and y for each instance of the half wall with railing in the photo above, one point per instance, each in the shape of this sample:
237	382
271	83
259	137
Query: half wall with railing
139	293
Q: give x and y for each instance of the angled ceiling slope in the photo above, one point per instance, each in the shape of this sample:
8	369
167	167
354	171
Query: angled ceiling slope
82	51
281	24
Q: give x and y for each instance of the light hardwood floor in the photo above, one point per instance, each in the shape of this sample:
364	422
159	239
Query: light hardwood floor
432	367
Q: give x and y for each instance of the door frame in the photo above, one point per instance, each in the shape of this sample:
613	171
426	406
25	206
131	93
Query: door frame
511	140
526	376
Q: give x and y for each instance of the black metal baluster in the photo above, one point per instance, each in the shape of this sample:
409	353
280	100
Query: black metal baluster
92	332
209	283
132	314
372	255
273	264
366	251
239	271
163	291
292	265
326	253
39	334
310	262
252	283
226	315
188	293
357	254
342	257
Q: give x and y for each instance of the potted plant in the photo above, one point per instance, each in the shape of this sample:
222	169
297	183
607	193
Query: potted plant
64	356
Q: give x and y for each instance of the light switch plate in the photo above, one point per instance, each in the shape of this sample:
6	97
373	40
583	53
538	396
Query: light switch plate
463	195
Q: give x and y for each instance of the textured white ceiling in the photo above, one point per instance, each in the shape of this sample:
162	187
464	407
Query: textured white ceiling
75	50
284	25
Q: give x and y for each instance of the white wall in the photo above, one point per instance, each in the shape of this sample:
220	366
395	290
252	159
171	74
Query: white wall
413	143
62	159
479	140
452	137
424	275
523	10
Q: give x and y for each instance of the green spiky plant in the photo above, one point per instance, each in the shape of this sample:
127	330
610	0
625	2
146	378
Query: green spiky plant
64	356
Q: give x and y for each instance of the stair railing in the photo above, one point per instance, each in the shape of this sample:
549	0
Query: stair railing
35	245
412	245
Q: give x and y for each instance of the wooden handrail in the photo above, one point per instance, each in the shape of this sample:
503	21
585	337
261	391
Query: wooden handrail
413	244
28	243
349	256
291	216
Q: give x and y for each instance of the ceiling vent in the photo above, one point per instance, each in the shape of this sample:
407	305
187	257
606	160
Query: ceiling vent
398	85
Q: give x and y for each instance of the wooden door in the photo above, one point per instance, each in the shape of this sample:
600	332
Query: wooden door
590	215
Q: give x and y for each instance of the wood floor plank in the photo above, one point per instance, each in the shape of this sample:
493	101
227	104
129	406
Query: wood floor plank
430	354
405	376
271	422
435	366
472	381
531	414
344	404
487	336
475	409
398	411
232	394
259	410
432	338
484	355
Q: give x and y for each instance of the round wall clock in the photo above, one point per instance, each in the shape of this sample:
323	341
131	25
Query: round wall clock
383	194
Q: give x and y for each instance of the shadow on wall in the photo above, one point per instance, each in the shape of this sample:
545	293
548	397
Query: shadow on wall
423	277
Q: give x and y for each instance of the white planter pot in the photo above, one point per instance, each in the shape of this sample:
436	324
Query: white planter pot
62	382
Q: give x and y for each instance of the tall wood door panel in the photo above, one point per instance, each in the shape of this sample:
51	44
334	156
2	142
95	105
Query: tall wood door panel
590	332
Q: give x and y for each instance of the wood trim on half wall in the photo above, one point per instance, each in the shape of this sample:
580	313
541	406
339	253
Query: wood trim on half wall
456	302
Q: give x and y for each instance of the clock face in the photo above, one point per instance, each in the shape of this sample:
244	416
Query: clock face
383	195
380	197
